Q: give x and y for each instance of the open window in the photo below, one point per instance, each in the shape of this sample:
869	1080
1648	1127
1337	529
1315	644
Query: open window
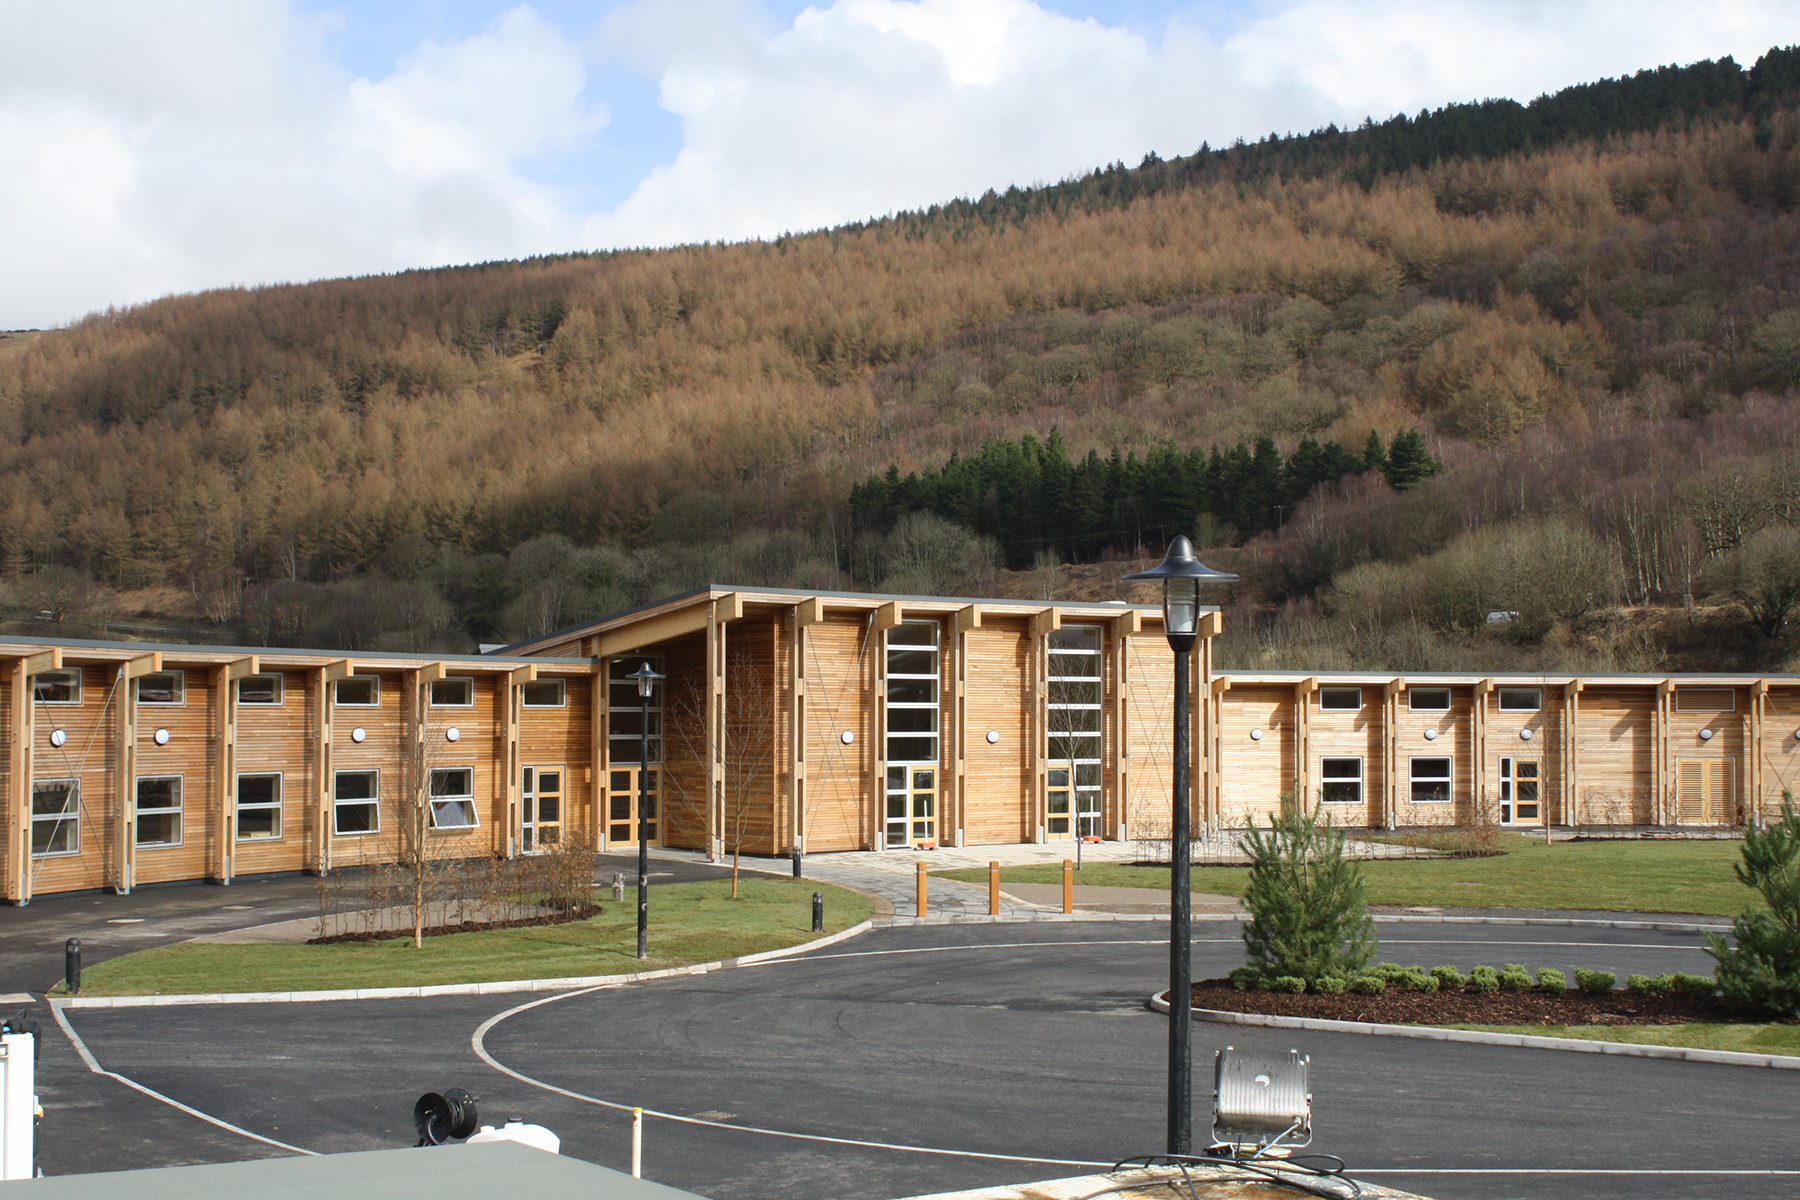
453	798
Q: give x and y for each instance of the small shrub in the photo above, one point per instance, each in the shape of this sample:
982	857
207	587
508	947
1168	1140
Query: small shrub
1514	977
1389	970
1417	981
1245	979
1699	986
1594	983
1368	985
1485	979
1449	978
1648	985
1289	983
1330	985
1552	981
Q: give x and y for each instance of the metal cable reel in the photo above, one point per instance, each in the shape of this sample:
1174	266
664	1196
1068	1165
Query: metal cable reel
444	1117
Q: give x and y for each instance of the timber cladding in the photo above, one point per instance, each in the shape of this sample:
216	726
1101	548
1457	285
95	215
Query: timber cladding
778	713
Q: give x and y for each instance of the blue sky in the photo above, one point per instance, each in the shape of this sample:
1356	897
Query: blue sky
158	146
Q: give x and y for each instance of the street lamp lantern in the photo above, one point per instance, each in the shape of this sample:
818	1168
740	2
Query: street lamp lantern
1181	575
647	679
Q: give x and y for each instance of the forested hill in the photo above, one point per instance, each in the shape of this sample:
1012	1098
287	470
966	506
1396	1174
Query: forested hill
1588	309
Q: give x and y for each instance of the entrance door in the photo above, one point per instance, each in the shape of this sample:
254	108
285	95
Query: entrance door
1058	803
911	806
541	804
1703	790
622	806
1521	792
1072	802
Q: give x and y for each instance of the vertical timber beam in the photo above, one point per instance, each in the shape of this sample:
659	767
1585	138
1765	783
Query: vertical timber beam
125	772
1571	807
1303	693
21	732
967	618
1478	740
1388	817
1118	701
1665	692
881	620
1203	737
320	814
224	690
1753	794
806	613
1042	625
509	696
1212	799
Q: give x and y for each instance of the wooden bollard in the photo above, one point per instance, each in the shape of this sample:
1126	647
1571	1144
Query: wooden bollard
993	889
1068	886
921	891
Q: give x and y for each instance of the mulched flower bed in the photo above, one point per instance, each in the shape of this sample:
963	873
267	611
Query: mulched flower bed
382	935
1469	1007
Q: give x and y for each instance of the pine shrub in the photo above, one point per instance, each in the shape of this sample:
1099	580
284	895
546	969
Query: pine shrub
1762	971
1308	907
1699	986
1485	979
1289	983
1449	978
1330	985
1594	983
1368	985
1553	981
1514	977
1648	985
1246	979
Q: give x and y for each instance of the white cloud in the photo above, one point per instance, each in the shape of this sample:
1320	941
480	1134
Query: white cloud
149	146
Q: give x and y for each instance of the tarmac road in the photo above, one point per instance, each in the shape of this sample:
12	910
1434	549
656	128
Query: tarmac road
1012	1040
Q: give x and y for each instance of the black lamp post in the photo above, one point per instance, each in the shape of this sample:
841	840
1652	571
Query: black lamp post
647	680
1181	575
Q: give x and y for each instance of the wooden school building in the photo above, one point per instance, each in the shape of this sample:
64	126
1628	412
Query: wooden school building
813	721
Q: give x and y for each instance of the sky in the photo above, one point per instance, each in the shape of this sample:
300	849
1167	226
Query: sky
150	147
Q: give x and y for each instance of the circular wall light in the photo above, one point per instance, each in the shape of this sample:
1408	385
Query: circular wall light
358	734
993	737
847	737
1525	735
452	734
1431	735
1706	735
1256	735
60	738
162	737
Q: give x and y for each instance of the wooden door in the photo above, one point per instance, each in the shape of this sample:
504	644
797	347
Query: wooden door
1703	790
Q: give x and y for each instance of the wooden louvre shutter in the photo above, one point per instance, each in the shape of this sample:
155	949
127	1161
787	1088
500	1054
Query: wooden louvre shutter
1690	790
1718	796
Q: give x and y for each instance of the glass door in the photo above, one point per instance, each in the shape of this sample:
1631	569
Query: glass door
622	807
541	807
1058	801
1521	800
911	807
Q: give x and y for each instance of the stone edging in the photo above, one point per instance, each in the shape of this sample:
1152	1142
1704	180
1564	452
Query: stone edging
981	918
567	983
1437	1033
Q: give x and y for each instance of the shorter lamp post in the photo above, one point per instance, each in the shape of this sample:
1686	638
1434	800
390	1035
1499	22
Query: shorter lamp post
647	680
1181	575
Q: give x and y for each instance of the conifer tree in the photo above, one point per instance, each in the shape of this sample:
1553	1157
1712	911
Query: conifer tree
1762	970
1408	462
1375	454
1309	913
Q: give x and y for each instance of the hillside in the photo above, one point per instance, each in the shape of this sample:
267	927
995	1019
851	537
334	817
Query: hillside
1589	307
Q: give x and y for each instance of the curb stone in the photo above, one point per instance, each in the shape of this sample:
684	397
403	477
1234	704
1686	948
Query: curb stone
1437	1033
495	987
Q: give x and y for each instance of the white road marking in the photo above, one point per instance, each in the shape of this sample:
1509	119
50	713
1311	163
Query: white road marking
93	1064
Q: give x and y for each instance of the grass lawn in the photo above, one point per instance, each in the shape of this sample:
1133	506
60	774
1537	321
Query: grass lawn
1676	876
689	923
1752	1039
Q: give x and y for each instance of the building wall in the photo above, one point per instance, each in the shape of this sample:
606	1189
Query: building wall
999	806
840	796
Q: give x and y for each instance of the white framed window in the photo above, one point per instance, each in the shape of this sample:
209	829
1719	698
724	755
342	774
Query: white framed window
912	692
453	798
259	807
356	803
162	687
545	693
260	689
158	810
1518	699
1340	699
359	691
55	817
626	715
1341	780
1431	781
456	691
1075	724
1428	699
1705	699
56	687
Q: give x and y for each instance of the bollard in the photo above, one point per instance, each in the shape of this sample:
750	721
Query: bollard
72	965
796	862
619	886
637	1143
1068	886
818	912
993	889
921	891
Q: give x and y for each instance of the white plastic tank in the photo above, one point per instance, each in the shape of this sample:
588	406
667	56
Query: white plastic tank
516	1130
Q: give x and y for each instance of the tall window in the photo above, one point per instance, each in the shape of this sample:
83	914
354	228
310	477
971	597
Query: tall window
453	798
1074	719
625	722
356	802
158	810
912	693
259	807
55	817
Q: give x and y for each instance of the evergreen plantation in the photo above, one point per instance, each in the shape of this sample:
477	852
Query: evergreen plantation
1536	359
